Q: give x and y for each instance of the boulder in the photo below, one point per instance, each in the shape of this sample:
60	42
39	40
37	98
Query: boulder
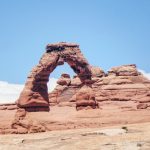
126	70
64	80
97	72
85	97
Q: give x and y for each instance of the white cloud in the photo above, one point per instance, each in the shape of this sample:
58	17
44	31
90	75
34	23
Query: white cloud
10	92
147	75
52	84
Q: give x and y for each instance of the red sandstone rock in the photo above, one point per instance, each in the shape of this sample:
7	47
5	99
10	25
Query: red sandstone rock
8	106
85	97
64	80
142	106
126	70
76	82
20	114
122	84
36	127
12	107
97	72
35	92
22	124
3	107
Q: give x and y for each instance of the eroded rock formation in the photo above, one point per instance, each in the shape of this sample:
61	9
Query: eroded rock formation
34	96
90	88
123	86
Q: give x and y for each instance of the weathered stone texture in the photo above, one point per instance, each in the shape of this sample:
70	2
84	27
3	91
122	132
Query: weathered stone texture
121	84
35	93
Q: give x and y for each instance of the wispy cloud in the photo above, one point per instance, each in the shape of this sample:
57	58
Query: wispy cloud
147	75
10	92
52	84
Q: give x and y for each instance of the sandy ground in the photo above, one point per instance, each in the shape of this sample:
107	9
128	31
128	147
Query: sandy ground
127	129
134	137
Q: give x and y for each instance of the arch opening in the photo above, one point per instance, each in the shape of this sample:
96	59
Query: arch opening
34	96
56	74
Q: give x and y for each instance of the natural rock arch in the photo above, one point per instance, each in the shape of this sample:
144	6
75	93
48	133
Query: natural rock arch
34	96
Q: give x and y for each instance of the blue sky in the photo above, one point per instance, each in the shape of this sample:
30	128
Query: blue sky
110	33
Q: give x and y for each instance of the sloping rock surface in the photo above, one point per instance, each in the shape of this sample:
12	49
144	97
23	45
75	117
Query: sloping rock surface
121	84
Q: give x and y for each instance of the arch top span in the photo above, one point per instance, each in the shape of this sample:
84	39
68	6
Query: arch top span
60	46
35	93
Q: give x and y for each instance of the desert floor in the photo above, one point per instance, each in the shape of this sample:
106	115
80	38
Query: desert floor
109	128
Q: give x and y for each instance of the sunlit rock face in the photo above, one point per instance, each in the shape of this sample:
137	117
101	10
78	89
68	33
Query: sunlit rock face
34	96
122	86
90	88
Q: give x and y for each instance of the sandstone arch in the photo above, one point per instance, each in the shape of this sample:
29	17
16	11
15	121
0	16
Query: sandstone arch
34	96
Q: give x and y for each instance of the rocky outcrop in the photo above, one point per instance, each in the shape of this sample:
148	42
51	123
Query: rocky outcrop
122	85
34	96
126	70
22	124
89	86
8	106
85	97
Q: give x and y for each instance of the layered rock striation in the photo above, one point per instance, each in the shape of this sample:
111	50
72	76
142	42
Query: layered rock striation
123	86
90	88
34	96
